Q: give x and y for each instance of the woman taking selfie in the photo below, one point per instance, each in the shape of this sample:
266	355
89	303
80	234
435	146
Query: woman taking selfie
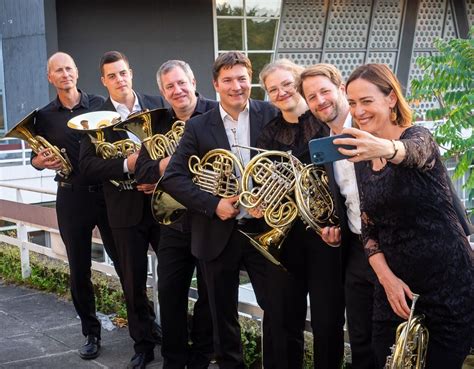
412	236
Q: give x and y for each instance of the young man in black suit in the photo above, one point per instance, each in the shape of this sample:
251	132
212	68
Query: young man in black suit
129	210
215	222
80	204
176	263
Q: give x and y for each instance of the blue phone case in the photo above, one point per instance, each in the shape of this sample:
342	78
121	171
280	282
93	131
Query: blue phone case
323	150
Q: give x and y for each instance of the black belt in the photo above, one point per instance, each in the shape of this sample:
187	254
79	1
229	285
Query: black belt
73	187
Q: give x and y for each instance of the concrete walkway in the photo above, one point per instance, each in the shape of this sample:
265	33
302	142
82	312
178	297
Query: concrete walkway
38	330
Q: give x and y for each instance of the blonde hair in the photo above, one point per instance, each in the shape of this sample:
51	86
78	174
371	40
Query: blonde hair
322	69
284	64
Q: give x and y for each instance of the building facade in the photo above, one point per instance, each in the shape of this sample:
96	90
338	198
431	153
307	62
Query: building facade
346	33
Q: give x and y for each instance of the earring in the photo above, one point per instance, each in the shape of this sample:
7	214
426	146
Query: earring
393	115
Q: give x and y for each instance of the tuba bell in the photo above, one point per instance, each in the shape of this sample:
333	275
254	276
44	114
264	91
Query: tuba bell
411	343
96	124
25	131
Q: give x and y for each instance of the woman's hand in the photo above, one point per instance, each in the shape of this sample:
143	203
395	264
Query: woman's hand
367	146
396	290
394	287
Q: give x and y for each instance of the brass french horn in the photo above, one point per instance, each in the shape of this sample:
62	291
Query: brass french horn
268	183
216	172
25	131
164	208
95	124
283	188
411	344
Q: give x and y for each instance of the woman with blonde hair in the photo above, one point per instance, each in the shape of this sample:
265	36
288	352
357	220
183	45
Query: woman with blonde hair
312	266
412	236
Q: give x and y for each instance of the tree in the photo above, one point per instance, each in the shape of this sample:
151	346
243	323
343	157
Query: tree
448	77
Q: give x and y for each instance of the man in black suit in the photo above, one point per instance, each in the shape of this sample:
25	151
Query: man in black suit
215	222
80	204
176	263
129	210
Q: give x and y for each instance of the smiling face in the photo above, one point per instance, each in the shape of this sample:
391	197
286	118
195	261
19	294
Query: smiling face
117	78
280	86
233	85
62	72
370	107
178	89
325	100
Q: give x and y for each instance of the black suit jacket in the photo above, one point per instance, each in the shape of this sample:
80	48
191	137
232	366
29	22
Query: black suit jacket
124	208
202	134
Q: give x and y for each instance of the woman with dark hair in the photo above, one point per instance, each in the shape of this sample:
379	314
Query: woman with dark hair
412	236
313	267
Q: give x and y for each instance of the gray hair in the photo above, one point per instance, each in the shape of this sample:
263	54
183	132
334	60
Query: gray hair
171	64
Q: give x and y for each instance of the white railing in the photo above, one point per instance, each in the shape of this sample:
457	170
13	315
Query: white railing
247	305
22	159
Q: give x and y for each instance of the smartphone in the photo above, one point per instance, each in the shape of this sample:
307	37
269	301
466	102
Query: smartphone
323	150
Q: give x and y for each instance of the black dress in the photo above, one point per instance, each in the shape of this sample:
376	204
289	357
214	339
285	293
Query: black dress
407	209
312	267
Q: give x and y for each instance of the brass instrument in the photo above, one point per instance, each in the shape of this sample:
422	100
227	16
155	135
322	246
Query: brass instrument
25	131
315	203
283	189
95	124
216	172
411	344
164	208
141	125
274	181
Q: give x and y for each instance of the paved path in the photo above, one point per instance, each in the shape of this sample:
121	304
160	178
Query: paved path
40	331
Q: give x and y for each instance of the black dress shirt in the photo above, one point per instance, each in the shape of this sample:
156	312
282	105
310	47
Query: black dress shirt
51	123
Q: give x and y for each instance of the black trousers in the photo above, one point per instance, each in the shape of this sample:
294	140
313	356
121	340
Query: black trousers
132	245
359	292
78	212
176	266
222	279
438	356
314	268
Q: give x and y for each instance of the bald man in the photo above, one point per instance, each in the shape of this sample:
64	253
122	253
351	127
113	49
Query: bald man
80	204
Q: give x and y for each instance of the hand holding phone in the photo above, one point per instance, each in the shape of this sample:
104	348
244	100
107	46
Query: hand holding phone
323	150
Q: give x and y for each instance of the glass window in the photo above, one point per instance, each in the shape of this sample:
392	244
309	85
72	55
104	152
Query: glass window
261	34
263	8
258	62
229	7
250	26
230	34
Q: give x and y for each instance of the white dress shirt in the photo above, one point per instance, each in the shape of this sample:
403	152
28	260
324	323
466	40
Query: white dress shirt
238	133
124	113
344	174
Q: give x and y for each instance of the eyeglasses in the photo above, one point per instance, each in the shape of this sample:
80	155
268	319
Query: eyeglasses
286	87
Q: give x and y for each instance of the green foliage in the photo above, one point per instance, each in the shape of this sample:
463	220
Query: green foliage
448	77
53	276
251	342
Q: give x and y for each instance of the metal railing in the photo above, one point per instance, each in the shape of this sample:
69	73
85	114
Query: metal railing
21	241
